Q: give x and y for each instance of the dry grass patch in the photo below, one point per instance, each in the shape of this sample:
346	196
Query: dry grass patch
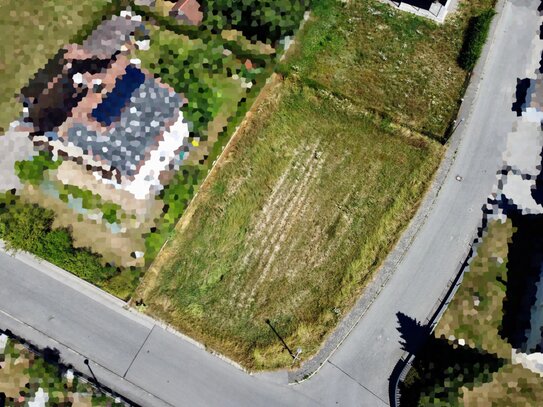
303	209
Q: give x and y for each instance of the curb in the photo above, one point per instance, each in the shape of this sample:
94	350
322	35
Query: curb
404	364
394	258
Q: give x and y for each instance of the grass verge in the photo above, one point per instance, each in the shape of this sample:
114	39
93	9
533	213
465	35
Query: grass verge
475	39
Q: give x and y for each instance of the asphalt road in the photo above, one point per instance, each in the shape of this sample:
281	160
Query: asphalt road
154	366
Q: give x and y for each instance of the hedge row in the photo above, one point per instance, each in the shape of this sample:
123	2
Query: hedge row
29	227
475	39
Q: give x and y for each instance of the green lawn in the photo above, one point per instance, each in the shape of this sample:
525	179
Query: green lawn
386	61
33	33
302	210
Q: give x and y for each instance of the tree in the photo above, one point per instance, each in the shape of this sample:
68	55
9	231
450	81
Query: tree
262	20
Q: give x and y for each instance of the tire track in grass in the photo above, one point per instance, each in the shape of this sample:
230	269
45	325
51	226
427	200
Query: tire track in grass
278	229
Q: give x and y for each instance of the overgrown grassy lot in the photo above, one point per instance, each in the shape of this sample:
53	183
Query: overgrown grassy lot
31	34
301	211
386	61
472	325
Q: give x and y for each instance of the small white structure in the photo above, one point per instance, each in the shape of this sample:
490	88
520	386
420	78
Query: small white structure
433	10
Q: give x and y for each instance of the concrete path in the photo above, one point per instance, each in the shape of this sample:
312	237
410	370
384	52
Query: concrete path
370	352
153	366
14	146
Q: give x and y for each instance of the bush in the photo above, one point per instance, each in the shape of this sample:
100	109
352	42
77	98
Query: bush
32	171
263	20
29	227
475	39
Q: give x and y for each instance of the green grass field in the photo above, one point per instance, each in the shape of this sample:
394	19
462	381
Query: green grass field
386	61
31	34
301	211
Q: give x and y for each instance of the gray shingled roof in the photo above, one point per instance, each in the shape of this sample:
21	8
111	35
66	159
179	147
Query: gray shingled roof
110	35
125	145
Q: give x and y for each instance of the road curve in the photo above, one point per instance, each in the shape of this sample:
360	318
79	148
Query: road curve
368	355
152	365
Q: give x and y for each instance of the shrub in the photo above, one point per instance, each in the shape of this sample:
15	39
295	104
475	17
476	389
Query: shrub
263	20
475	39
24	226
32	171
29	227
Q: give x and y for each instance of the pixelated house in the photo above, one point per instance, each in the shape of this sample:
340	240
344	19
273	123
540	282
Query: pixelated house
93	105
187	12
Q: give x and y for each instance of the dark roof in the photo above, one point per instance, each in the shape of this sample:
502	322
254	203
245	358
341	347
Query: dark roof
127	142
41	79
51	95
53	106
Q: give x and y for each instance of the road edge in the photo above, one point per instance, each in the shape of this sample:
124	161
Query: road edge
381	277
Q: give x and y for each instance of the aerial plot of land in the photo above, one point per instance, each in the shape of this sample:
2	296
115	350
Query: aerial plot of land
315	191
240	171
115	125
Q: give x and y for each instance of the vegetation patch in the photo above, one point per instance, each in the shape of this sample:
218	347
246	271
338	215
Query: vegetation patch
262	20
28	227
467	361
475	39
285	221
34	170
25	378
389	62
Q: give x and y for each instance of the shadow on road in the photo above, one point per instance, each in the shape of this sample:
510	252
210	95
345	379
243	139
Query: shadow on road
440	368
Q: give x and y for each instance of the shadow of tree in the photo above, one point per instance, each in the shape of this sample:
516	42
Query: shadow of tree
520	95
441	367
525	260
414	335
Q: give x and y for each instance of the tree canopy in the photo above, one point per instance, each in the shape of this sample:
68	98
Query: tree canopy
262	20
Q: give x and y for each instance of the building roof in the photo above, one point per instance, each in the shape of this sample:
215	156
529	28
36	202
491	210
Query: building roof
111	35
125	141
188	11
